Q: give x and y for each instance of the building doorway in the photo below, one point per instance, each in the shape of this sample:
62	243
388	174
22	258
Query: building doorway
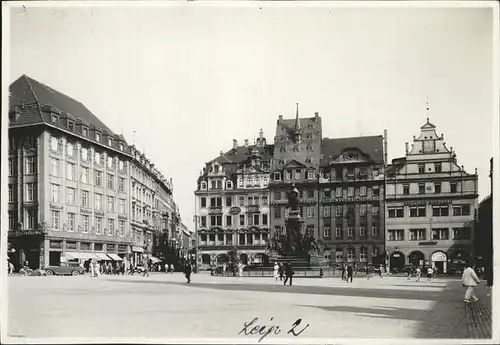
439	261
397	262
416	258
244	259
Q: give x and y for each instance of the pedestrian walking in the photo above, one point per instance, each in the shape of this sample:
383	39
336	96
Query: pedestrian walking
276	271
240	270
145	273
187	273
367	272
172	268
343	272
11	268
349	273
408	272
166	268
97	269
469	280
430	273
281	271
418	273
380	271
288	273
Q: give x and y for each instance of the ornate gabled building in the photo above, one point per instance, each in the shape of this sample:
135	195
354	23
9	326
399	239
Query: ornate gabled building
352	200
431	203
68	183
232	205
296	160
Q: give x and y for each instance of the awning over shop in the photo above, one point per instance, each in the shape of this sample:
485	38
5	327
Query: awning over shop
155	260
87	256
103	256
114	257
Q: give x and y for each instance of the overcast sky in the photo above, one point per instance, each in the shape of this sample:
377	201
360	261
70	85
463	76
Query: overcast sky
190	78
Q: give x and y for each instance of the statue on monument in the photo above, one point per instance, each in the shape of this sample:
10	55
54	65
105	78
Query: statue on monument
293	198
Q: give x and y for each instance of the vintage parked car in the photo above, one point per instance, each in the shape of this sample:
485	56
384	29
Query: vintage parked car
64	270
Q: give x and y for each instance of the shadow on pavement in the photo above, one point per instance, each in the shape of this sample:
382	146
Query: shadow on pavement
311	290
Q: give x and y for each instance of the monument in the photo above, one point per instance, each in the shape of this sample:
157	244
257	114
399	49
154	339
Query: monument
294	245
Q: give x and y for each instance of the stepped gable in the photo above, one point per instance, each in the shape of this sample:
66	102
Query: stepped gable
373	146
297	140
31	95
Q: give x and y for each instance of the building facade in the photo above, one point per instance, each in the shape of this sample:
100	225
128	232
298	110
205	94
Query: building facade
430	205
296	161
68	183
152	207
232	205
351	214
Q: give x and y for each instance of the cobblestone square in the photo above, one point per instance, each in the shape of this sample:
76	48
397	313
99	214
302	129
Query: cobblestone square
164	306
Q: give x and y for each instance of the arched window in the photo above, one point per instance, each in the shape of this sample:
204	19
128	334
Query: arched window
229	184
203	185
216	169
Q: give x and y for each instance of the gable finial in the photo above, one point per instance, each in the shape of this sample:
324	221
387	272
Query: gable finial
427	108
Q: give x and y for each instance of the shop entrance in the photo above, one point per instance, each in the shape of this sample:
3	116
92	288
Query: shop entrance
397	261
438	260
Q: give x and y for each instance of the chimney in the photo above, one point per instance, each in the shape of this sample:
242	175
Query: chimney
235	144
316	114
406	148
246	142
385	146
261	133
280	118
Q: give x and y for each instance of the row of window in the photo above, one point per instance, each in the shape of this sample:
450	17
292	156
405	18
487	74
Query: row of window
85	199
436	234
350	232
85	131
71	152
228	239
422	189
235	220
421	211
340	211
351	254
251	200
335	192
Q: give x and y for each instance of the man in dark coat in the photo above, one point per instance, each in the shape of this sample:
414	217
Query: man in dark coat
281	271
288	273
349	273
187	272
343	272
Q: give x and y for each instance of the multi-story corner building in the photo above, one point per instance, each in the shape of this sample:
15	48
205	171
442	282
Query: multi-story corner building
68	182
296	160
152	207
431	203
232	209
351	215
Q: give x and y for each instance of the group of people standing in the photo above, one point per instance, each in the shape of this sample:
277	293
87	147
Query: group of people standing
283	270
417	271
96	268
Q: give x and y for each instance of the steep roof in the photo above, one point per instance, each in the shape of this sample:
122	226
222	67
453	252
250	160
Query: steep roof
241	153
370	145
33	94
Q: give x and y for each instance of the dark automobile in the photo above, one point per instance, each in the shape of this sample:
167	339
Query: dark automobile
73	270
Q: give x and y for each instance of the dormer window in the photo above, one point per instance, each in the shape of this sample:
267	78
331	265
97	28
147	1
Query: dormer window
216	169
310	175
277	176
55	119
121	147
229	184
97	136
71	125
110	142
85	131
203	185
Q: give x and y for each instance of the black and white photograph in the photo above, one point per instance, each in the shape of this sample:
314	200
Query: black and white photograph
287	172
